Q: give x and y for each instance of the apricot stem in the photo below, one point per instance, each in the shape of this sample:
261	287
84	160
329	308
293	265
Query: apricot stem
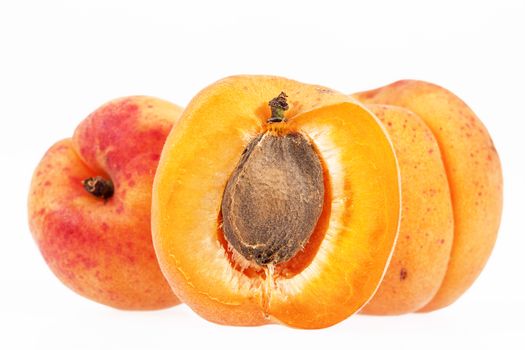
99	187
278	106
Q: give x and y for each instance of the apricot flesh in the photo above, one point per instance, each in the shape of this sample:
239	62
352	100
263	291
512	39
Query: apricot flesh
98	243
345	258
426	232
473	171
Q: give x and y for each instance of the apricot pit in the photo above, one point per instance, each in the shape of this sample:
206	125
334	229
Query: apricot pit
274	197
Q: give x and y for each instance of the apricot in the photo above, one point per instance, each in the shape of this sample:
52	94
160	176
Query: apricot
422	250
275	202
474	176
89	204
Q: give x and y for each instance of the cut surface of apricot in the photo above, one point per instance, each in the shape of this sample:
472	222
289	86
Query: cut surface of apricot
319	164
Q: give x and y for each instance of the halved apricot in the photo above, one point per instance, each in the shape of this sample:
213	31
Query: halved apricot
275	201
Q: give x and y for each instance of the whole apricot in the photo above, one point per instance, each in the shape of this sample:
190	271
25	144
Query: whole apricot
89	204
474	176
422	251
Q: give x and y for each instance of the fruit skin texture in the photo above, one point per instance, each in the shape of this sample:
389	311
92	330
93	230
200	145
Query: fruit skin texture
102	249
426	232
474	175
342	264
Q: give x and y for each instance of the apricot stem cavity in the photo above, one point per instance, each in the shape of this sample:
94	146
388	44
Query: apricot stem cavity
99	187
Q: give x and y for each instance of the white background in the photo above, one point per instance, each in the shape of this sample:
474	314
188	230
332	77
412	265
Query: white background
59	60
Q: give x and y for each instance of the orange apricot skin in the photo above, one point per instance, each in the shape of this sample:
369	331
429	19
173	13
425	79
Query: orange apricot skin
102	249
196	162
474	174
426	231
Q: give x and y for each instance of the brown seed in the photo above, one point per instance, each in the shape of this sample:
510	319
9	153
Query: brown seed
273	198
